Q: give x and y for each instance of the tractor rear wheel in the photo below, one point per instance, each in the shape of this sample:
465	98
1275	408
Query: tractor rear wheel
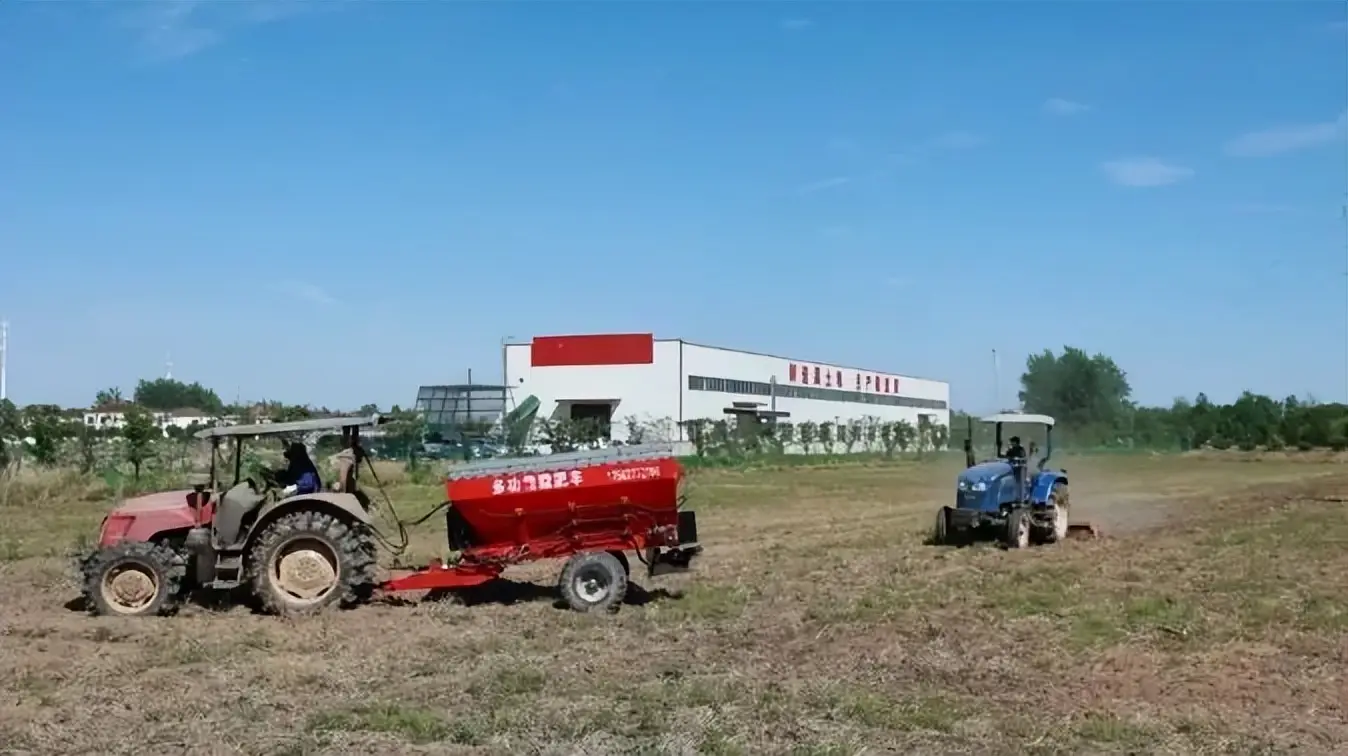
594	580
133	579
1017	535
305	561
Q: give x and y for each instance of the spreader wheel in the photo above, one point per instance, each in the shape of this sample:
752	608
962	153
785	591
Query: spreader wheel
1017	535
133	579
594	580
306	561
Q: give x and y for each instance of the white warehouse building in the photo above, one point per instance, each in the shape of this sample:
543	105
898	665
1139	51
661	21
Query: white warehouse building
618	379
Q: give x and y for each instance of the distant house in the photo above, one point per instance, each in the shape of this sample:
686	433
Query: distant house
113	415
108	415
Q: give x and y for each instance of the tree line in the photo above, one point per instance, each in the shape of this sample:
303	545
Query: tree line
49	436
1090	397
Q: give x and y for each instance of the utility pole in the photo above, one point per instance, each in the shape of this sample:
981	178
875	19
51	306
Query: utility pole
996	383
4	359
505	376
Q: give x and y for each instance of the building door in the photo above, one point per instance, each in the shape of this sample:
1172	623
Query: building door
593	421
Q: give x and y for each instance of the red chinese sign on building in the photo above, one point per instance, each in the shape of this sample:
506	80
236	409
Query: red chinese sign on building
814	375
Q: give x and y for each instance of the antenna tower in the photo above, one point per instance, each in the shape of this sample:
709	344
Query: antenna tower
4	359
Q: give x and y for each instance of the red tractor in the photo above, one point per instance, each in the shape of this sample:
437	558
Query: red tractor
298	553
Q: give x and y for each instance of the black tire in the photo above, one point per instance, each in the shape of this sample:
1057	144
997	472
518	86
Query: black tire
593	581
347	548
110	588
940	534
1019	530
1058	499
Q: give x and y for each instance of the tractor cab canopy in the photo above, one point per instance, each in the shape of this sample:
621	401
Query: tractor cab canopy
296	426
1015	450
348	426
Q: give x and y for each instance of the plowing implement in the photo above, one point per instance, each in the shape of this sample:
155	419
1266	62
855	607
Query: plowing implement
592	506
297	546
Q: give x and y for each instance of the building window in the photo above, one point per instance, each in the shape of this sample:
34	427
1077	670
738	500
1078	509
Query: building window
816	393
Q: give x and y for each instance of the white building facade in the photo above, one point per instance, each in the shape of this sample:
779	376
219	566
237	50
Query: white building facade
624	378
113	416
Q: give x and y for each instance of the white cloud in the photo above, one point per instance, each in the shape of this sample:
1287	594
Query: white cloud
171	30
828	183
795	24
167	30
1288	138
1144	172
1062	107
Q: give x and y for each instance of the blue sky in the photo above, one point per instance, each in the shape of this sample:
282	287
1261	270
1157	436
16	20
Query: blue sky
257	187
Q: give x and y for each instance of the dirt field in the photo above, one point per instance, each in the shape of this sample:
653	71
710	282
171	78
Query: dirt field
1212	619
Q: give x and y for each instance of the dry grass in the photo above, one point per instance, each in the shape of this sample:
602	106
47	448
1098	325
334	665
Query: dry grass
1210	621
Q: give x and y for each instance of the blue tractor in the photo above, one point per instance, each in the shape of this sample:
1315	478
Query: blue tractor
1003	495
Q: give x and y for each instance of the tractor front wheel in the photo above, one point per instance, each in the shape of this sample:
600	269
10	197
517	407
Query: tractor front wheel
593	581
940	535
133	579
306	561
1058	504
1017	535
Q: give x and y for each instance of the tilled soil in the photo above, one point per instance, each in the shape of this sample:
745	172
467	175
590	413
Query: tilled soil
1209	619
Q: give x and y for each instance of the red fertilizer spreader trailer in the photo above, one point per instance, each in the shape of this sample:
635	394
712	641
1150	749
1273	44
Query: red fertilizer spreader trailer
590	506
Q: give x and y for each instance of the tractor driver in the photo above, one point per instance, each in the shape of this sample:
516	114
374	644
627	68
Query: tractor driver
1014	450
300	476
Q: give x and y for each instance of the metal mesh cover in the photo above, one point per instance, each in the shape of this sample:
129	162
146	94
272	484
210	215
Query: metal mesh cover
569	460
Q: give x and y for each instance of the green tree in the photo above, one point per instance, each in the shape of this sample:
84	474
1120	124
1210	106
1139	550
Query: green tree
851	435
406	430
88	438
44	424
1082	392
108	396
11	434
824	435
140	433
287	413
905	434
169	394
807	432
889	440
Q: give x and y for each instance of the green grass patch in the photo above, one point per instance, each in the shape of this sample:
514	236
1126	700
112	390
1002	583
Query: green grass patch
412	724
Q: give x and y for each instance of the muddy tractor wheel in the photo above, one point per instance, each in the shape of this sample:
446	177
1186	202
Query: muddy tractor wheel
134	579
304	562
1017	535
1058	501
593	581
